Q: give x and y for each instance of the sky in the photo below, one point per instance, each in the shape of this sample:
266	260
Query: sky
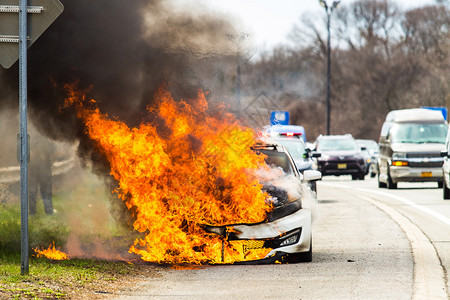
270	21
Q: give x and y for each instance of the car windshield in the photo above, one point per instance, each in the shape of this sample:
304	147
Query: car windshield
295	147
418	133
278	159
337	144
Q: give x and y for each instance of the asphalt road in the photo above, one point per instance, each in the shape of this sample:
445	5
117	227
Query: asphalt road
368	243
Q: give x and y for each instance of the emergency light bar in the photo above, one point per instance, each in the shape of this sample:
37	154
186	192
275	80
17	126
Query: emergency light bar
291	133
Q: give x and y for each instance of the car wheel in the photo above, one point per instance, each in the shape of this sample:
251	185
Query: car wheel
446	191
440	184
390	184
313	186
381	184
361	176
354	176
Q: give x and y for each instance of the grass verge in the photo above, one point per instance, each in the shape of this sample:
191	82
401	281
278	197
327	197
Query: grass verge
68	279
82	214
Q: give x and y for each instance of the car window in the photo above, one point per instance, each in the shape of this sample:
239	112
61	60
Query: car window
295	147
278	159
337	145
418	133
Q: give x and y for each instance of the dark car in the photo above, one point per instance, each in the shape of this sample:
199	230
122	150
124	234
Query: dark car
371	152
340	155
287	228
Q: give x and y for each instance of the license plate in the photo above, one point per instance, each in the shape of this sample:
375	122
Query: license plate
427	174
342	166
249	245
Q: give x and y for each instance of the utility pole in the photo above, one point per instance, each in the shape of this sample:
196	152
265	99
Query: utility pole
328	10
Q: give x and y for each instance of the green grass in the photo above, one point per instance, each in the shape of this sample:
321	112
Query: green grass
82	213
58	279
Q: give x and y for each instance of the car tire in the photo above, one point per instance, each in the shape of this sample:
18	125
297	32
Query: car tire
390	184
355	176
440	184
313	186
446	192
381	184
361	176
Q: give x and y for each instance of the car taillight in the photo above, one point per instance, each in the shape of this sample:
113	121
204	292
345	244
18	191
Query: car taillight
291	133
399	163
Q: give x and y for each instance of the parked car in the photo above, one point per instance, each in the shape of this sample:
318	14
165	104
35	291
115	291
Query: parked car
446	168
340	155
411	141
300	153
287	230
371	153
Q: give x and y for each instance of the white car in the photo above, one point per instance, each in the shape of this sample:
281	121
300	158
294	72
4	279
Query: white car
287	229
446	168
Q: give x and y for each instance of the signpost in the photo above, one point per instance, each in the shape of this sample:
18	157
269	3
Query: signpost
17	33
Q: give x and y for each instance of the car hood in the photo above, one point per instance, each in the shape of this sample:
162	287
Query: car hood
410	147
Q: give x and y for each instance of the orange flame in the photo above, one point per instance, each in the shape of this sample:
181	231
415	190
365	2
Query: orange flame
195	172
51	253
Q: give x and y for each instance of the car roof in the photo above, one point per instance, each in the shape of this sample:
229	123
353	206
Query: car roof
336	136
414	114
287	139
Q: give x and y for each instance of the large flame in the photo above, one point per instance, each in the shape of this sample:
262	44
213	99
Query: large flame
191	168
51	253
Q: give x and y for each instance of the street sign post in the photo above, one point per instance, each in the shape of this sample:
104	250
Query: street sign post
17	34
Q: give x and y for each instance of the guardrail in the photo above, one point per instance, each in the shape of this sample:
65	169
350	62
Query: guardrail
12	174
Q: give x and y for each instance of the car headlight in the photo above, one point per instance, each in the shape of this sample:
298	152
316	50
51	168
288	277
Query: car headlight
399	155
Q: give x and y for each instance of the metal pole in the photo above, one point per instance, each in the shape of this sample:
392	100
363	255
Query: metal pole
23	136
328	72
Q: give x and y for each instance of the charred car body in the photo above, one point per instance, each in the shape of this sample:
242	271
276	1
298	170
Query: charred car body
287	228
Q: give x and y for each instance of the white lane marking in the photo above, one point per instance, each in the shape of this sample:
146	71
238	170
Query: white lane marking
429	274
401	199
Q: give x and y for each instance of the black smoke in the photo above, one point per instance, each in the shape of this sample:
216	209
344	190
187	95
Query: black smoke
123	51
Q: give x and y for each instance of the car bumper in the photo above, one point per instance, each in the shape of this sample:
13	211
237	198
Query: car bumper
408	174
289	234
341	168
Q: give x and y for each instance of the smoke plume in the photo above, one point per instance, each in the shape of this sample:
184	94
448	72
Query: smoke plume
122	51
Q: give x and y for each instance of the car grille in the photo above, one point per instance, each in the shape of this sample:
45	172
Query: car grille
423	155
425	164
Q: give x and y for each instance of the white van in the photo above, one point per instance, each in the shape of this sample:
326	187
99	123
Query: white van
411	141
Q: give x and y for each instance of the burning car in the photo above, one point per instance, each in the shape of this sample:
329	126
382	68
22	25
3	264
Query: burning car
287	228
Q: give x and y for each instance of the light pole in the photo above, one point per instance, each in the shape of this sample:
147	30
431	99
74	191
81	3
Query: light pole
328	10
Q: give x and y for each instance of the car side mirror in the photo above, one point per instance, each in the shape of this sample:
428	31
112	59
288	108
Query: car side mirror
444	153
311	175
